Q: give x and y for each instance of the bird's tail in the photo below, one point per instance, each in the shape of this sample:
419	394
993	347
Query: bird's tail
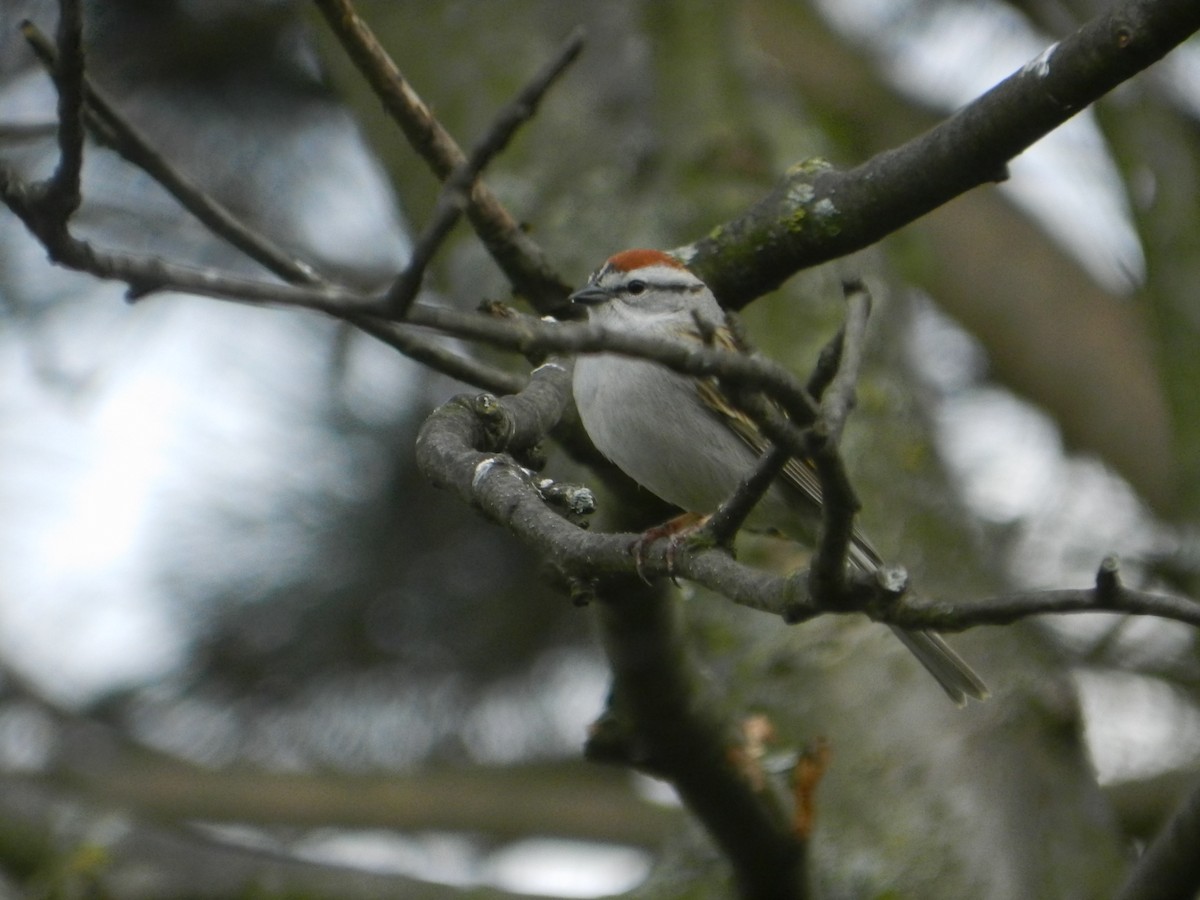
957	678
951	671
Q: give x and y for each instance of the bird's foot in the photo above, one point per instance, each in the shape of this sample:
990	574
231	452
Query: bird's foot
676	531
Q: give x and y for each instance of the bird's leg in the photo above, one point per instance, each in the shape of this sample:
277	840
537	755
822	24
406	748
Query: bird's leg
676	530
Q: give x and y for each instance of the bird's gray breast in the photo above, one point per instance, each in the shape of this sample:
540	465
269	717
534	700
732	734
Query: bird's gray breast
651	423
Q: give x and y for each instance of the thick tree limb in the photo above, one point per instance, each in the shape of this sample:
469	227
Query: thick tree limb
453	451
674	730
526	335
669	730
818	213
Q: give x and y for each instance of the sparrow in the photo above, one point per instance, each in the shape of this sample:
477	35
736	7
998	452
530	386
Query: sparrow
685	441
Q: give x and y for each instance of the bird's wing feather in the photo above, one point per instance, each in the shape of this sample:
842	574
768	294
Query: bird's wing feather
798	474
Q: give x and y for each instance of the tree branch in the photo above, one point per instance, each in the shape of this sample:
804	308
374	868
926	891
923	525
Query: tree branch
837	211
818	213
465	444
519	257
62	190
674	730
70	848
455	193
525	334
839	501
671	733
1109	595
440	359
724	524
114	130
454	453
868	194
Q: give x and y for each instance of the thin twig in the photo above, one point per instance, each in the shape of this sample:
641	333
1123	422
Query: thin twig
148	274
419	349
725	523
455	191
921	613
839	398
115	131
827	365
835	377
786	438
62	189
519	257
840	504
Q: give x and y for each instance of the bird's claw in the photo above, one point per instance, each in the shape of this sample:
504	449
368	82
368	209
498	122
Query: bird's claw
676	531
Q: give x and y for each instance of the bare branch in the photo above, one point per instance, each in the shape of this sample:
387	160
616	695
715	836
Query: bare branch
828	361
455	190
838	211
839	502
526	334
818	213
675	732
147	860
16	131
671	731
440	359
144	275
458	449
522	260
1109	595
724	524
113	130
837	370
62	190
448	454
465	445
840	397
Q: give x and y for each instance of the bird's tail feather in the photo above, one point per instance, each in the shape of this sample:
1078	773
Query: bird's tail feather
951	671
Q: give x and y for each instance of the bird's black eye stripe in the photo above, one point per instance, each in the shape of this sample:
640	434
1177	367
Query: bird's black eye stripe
637	286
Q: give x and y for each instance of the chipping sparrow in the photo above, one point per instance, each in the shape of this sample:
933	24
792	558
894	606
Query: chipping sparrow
679	437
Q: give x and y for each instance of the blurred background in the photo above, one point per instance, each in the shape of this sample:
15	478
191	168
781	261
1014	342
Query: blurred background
227	597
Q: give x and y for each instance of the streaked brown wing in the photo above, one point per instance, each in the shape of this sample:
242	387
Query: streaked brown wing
798	474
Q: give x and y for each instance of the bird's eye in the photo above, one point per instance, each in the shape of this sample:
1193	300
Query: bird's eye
636	287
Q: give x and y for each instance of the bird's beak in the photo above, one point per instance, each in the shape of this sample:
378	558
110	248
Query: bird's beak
591	295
